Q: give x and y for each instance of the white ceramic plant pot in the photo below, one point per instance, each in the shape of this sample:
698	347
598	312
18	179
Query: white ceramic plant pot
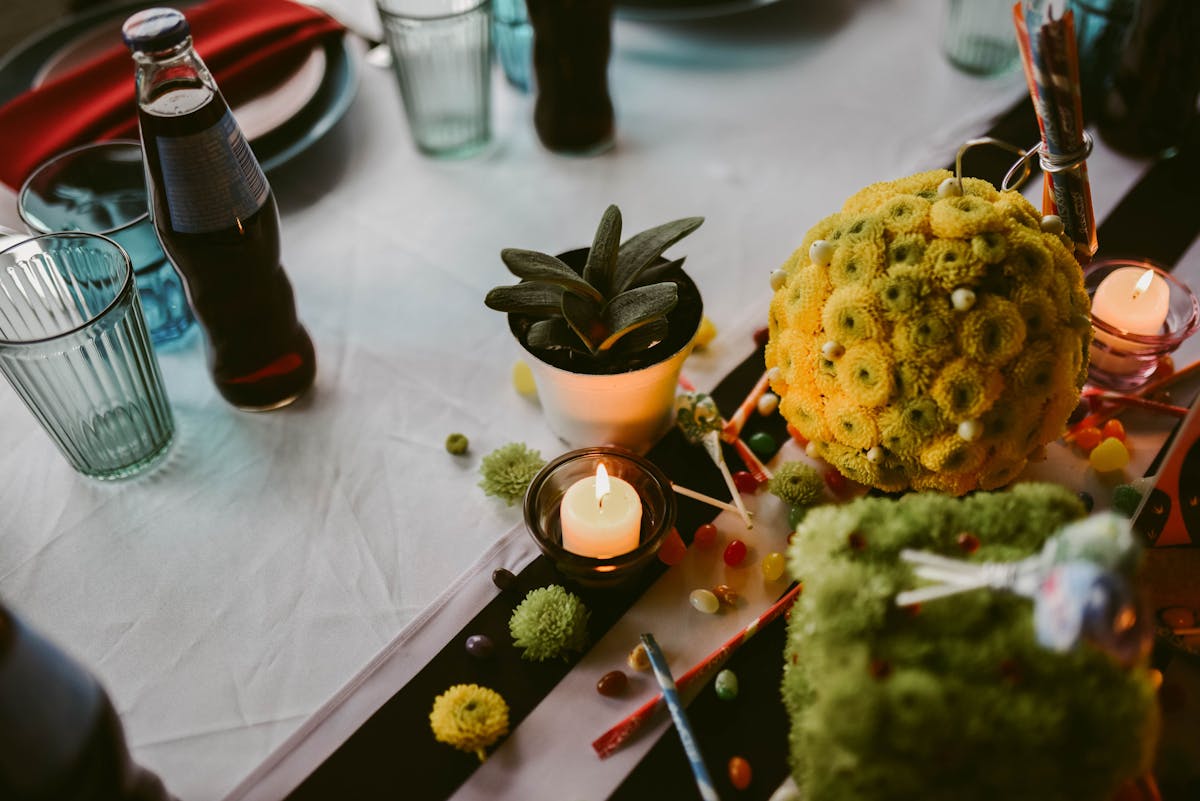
629	409
632	409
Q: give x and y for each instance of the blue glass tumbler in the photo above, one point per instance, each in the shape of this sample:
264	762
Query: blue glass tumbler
101	189
514	41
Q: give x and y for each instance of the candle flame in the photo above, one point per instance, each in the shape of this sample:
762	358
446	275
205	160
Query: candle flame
1143	283
603	487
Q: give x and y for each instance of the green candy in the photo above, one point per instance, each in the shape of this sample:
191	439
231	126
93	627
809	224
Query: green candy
726	685
796	516
457	444
763	444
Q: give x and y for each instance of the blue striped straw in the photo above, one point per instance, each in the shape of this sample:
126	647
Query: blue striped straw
671	696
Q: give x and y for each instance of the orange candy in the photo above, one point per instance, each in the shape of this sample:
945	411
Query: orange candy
1089	438
795	434
1113	428
739	773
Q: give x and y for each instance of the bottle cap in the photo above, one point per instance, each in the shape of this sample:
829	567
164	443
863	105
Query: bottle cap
155	30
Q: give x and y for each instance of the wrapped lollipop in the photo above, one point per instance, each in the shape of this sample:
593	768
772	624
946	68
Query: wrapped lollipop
1081	583
700	421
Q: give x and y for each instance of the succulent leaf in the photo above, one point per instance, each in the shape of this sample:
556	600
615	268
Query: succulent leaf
602	257
634	340
642	249
530	265
533	298
551	334
666	271
637	307
586	320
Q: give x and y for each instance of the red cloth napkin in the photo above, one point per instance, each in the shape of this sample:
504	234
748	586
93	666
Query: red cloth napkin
248	47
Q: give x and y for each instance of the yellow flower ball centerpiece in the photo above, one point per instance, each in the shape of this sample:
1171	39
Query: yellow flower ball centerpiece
932	335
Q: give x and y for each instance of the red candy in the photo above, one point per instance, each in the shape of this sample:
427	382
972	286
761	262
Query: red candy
745	482
968	542
739	773
835	480
761	336
672	550
705	536
1113	428
735	552
1089	438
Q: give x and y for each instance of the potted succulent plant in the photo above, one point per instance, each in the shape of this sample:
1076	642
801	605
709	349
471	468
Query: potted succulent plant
608	328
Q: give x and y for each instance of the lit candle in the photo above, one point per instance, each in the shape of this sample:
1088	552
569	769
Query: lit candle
601	516
1132	299
1135	300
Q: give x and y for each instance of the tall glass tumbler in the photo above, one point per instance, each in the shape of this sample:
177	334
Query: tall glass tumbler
980	36
513	34
74	346
441	51
101	189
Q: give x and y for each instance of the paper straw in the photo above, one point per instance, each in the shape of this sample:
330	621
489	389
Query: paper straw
1157	385
607	744
663	673
753	464
733	427
1190	631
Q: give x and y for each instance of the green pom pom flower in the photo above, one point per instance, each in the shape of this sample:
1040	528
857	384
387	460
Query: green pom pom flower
549	623
457	444
508	470
797	484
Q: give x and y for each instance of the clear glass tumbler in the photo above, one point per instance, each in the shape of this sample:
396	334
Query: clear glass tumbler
74	345
442	55
980	36
101	189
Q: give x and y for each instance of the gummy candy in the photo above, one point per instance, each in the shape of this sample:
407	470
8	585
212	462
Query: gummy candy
522	379
726	685
772	566
705	535
739	773
735	552
612	683
672	550
704	601
1109	455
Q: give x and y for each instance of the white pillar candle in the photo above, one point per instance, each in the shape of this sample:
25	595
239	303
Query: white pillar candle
1135	300
601	516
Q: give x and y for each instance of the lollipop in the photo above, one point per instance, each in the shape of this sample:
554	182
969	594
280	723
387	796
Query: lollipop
700	421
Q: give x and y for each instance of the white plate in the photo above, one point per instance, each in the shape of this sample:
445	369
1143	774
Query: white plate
257	116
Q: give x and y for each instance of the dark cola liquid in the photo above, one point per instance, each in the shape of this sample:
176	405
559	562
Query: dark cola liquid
259	354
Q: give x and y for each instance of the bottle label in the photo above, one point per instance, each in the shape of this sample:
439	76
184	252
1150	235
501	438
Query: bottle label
212	178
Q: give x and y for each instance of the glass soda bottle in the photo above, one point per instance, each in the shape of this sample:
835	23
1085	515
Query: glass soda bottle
217	220
60	738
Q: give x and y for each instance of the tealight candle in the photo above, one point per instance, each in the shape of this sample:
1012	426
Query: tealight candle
601	516
1133	299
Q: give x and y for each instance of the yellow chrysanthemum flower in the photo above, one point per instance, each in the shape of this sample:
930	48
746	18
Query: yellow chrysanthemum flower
470	718
932	312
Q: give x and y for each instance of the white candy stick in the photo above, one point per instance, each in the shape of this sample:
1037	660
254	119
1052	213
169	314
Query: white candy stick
712	444
700	496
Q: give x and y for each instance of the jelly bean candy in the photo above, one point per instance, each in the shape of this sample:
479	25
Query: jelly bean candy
796	516
967	542
762	443
522	379
745	482
796	436
1109	455
735	552
761	337
1088	438
504	579
612	683
835	480
772	566
767	404
480	646
726	594
739	773
705	535
726	685
672	550
706	333
638	659
1114	428
704	601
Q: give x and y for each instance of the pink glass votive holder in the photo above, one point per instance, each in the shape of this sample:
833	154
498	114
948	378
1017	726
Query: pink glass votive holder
1122	360
543	501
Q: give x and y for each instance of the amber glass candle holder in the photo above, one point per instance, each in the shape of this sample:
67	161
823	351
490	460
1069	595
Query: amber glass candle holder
1124	361
543	501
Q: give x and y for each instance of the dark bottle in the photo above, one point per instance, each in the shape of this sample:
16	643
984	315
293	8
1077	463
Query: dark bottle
216	218
1152	100
571	43
60	738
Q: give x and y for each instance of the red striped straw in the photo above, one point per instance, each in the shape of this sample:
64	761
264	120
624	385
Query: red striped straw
733	428
607	744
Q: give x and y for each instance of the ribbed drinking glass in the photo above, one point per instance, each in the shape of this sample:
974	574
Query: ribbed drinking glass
442	56
74	345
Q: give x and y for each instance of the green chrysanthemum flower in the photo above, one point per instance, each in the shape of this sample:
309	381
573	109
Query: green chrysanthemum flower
549	623
797	484
508	470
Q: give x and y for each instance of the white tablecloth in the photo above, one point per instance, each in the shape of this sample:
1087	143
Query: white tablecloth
225	597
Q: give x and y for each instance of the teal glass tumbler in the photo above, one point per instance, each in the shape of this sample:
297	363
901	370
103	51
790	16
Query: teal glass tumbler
74	346
442	56
513	34
101	189
979	36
